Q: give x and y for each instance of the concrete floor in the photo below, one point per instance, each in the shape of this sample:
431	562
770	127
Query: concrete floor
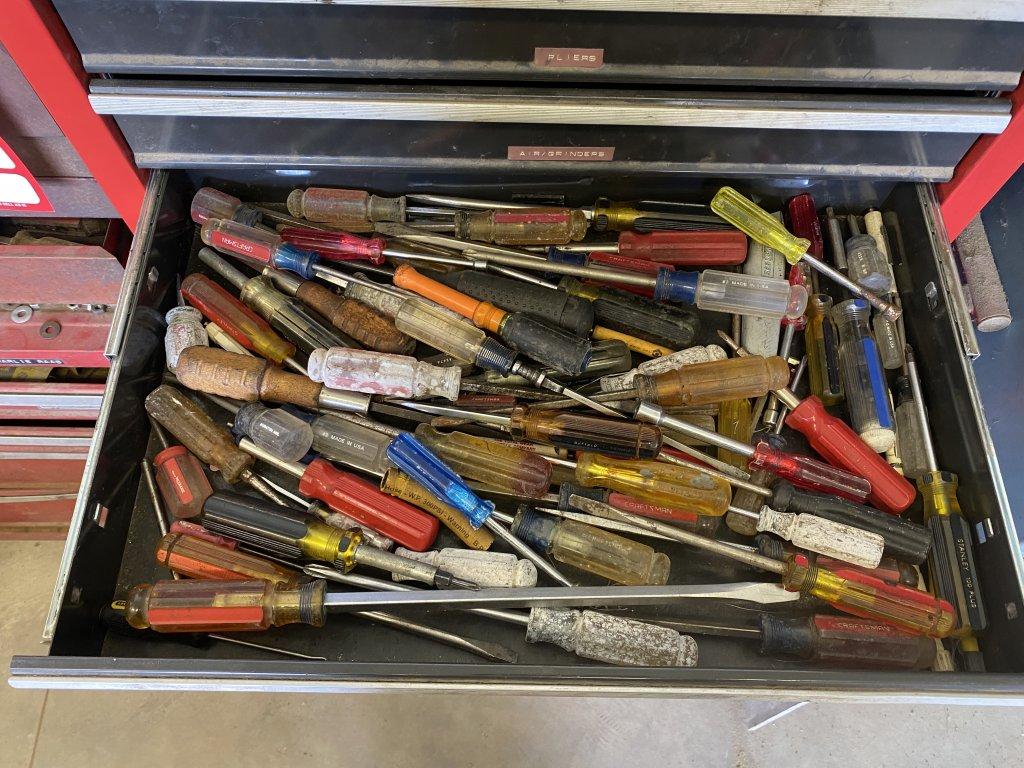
160	729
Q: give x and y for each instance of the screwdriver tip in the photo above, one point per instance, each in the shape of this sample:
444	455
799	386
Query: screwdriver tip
444	580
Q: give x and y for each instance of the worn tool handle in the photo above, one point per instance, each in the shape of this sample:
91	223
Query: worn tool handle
711	248
816	534
546	343
355	319
570	312
240	377
714	382
482	313
184	419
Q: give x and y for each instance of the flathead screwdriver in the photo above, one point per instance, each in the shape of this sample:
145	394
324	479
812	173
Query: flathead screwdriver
952	574
588	634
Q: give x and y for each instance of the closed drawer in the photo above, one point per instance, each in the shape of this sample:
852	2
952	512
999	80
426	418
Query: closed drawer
948	45
114	531
479	131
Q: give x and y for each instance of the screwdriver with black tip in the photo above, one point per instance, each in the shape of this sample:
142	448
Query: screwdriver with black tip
952	574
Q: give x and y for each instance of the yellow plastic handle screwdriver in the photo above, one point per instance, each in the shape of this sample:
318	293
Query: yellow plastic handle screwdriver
758	224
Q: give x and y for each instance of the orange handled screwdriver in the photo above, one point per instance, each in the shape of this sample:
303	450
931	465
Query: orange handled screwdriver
546	343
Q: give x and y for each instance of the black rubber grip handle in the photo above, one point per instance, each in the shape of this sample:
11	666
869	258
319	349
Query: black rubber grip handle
670	326
259	523
570	312
904	540
565	490
952	571
546	343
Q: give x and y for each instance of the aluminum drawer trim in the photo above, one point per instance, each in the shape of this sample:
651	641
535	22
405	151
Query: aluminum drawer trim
596	108
976	10
126	302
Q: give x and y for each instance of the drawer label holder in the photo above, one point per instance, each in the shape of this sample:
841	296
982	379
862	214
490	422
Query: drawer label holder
568	58
562	154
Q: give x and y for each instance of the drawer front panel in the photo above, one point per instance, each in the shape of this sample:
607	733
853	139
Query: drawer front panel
524	42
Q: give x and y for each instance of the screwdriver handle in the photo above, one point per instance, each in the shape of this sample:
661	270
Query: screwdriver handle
816	534
195	605
845	641
714	382
758	224
336	246
862	595
361	500
583	432
240	377
212	444
715	248
355	319
483	314
234	318
198	558
833	439
805	472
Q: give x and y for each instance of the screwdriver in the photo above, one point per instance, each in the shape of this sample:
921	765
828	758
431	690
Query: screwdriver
952	574
335	246
288	533
351	317
889	569
905	540
184	329
571	431
867	396
711	289
588	634
594	550
240	377
822	342
834	641
539	340
236	320
522	226
353	496
720	248
691	521
288	317
397	483
800	470
222	340
846	590
492	463
349	209
380	373
815	534
433	325
748	217
180	477
833	439
210	203
198	433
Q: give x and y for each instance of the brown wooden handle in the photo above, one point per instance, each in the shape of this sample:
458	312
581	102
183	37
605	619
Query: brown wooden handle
355	319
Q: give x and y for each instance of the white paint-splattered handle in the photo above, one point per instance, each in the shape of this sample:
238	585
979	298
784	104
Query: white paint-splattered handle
815	534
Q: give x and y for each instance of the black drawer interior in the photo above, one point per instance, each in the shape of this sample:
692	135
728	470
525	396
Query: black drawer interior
115	548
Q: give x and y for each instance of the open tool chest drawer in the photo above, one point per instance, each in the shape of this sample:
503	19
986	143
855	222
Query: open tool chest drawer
115	530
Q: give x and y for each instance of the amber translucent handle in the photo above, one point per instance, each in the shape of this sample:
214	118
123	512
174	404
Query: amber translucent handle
482	313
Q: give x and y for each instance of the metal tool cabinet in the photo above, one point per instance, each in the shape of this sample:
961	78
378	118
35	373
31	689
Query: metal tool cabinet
868	117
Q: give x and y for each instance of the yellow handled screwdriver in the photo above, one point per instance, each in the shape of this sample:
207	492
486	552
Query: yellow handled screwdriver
761	226
952	574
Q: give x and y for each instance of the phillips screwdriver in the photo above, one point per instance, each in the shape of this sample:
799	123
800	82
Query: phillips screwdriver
711	289
719	248
833	439
285	532
952	574
904	539
350	209
197	432
335	246
800	470
353	496
571	431
815	534
588	634
846	590
833	641
251	379
462	340
594	550
237	321
748	217
351	317
202	560
544	342
287	316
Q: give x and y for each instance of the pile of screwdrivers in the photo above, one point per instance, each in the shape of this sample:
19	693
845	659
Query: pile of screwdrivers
570	409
